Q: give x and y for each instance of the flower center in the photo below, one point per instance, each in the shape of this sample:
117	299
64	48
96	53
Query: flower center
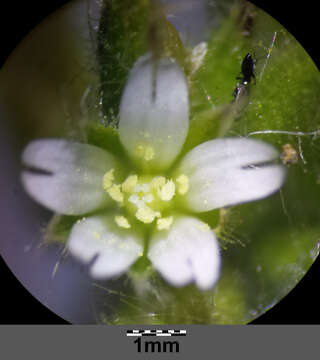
145	198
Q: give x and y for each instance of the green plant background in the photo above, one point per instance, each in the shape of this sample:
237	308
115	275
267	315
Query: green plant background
267	245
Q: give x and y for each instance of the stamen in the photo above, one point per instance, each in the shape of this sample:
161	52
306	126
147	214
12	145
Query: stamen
108	179
129	184
122	222
115	192
140	194
147	215
158	182
164	223
183	184
167	191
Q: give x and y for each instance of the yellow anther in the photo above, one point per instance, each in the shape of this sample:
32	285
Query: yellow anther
115	192
129	184
122	222
167	191
108	179
183	184
157	182
147	215
164	223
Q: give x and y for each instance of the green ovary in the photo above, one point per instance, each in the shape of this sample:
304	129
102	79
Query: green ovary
145	199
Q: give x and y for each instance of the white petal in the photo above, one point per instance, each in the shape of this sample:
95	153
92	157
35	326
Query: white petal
70	177
188	252
154	124
230	171
98	238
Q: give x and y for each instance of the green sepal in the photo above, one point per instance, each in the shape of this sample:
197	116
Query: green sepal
129	29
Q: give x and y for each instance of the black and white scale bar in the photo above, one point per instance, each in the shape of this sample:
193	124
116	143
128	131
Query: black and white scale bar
156	332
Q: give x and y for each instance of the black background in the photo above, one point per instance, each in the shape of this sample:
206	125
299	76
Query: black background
18	306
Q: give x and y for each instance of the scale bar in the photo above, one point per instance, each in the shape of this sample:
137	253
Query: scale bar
154	332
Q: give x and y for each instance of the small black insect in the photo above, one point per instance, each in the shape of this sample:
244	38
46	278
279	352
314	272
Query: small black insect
247	69
247	74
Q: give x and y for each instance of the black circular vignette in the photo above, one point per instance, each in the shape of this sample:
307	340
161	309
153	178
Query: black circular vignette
299	19
19	306
18	18
300	306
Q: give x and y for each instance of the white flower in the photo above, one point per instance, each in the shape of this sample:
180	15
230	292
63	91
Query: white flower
146	211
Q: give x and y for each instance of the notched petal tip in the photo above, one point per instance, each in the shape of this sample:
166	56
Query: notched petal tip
231	171
188	252
65	176
154	112
112	250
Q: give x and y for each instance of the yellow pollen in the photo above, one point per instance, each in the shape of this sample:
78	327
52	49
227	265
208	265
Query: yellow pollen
145	151
183	184
164	223
96	235
129	184
147	215
122	222
115	192
157	182
167	191
108	179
